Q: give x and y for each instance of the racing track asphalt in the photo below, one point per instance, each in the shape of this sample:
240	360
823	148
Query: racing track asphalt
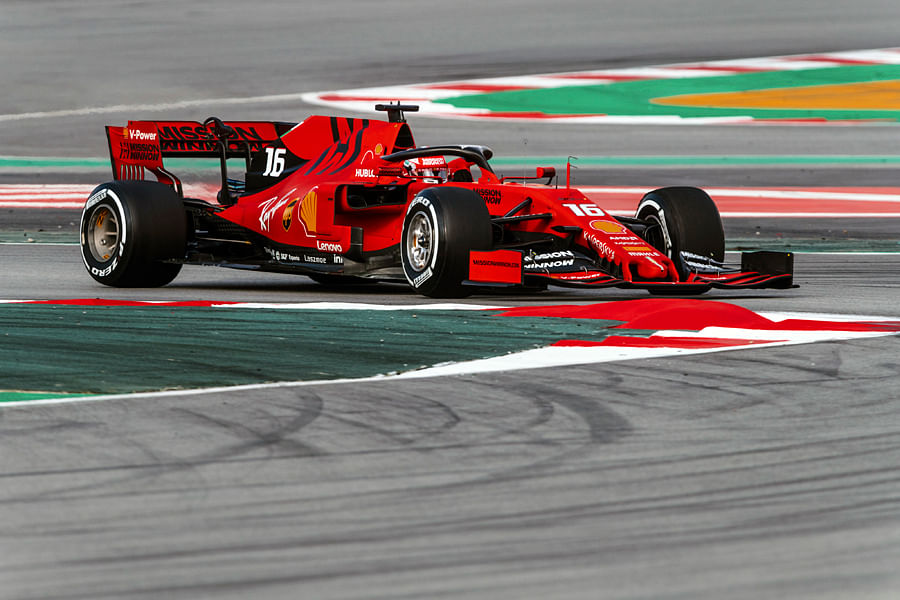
744	474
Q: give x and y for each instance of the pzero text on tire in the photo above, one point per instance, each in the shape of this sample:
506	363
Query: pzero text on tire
129	229
683	221
441	226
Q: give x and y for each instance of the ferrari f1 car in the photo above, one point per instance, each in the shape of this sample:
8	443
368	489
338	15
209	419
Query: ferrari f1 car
344	199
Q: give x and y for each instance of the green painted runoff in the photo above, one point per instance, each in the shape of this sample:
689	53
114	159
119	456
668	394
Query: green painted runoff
635	98
105	350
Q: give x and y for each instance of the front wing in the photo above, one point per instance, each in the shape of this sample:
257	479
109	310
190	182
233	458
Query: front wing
757	270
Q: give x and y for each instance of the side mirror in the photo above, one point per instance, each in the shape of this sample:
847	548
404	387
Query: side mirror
541	173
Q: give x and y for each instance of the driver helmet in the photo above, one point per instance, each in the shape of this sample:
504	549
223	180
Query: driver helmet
433	167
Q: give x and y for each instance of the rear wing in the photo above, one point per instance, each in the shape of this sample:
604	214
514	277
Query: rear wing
141	145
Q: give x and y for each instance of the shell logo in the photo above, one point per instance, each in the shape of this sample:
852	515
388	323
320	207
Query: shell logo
288	215
608	227
308	211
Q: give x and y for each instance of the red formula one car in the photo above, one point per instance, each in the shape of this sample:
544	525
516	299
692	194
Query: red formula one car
340	199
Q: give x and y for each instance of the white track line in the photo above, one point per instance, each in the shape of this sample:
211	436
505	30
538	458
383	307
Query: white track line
125	108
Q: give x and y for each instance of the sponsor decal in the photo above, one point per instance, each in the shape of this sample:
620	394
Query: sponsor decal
379	149
282	256
431	168
139	152
139	143
107	270
581	276
496	266
602	248
418	200
390	171
490	195
137	134
549	255
287	216
494	263
270	207
95	198
308	208
608	227
695	257
365	173
194	137
329	246
634	249
553	264
423	277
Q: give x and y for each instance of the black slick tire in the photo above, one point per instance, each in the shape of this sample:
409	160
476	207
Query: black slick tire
683	220
129	229
440	228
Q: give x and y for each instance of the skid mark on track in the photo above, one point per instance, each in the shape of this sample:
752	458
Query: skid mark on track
260	429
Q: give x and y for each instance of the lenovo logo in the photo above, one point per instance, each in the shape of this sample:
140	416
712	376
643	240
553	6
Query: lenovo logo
329	246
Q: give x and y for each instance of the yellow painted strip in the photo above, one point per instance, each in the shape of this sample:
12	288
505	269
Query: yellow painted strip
872	95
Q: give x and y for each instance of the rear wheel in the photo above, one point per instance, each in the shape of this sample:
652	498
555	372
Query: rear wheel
441	226
128	230
684	221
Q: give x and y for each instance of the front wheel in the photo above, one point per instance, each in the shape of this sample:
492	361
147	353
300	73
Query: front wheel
683	221
441	226
128	230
